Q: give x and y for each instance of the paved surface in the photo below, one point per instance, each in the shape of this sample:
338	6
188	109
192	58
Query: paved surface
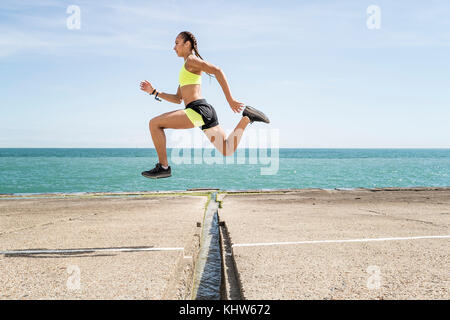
159	221
407	269
388	269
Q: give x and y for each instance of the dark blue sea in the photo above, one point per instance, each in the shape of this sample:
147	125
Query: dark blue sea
111	170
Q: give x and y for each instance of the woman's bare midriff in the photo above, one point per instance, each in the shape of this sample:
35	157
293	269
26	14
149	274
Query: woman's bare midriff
190	92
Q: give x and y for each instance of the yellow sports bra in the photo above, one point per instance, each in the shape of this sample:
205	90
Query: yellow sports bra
187	77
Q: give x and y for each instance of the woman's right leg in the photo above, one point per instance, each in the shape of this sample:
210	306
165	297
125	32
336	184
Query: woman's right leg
227	146
170	120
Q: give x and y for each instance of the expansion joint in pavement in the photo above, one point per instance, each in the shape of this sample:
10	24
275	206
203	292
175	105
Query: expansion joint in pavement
207	280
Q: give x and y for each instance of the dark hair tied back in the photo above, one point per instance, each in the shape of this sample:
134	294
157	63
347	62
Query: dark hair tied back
188	36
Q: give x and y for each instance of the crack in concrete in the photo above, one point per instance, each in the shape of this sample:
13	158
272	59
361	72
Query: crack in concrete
44	224
405	219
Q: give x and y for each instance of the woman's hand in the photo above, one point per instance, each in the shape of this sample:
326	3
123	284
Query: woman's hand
147	86
236	106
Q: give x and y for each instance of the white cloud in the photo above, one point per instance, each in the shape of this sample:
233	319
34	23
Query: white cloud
118	27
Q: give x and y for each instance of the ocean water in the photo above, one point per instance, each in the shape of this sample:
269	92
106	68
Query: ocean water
112	170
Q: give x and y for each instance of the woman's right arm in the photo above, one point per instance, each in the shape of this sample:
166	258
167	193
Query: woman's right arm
174	98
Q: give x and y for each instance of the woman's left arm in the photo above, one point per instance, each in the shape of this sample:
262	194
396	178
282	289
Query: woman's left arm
207	67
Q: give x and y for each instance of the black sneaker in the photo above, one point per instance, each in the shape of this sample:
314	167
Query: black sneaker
255	115
157	172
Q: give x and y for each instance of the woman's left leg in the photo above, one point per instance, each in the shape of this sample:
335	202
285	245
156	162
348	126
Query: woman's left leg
170	120
227	146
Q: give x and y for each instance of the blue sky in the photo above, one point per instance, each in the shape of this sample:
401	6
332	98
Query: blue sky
323	77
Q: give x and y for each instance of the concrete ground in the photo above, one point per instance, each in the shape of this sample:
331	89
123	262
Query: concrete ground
389	269
265	232
73	223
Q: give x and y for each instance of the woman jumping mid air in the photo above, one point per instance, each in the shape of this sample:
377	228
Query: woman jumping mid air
197	112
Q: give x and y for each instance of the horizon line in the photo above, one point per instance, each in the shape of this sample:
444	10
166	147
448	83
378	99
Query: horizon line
439	148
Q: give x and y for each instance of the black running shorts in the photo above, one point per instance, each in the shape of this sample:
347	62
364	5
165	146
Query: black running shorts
207	112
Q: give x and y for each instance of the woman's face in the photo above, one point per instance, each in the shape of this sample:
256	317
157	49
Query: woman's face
180	46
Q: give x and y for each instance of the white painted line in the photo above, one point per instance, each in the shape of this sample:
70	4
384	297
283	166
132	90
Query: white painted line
86	250
337	241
